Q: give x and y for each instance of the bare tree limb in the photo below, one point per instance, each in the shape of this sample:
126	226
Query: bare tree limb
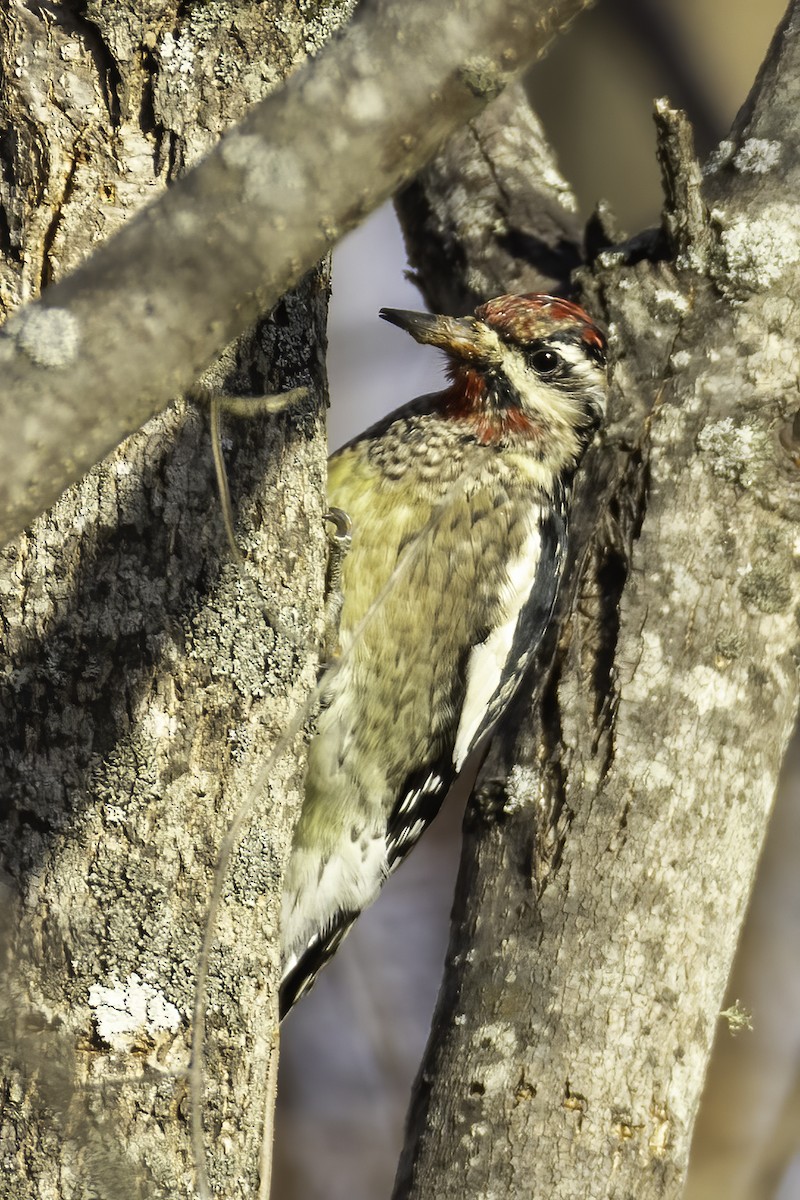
491	213
612	844
112	343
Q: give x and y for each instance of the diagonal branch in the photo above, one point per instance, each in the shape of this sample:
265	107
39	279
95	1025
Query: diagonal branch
112	343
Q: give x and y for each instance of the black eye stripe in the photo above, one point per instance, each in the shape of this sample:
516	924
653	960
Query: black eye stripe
591	349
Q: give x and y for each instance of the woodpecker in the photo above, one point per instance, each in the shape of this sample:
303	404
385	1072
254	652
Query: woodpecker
458	503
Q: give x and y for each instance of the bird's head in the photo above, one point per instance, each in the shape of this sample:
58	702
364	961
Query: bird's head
528	369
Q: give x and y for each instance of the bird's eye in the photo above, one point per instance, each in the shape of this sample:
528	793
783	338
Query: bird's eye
545	362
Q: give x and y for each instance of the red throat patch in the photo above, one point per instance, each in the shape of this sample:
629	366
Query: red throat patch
465	400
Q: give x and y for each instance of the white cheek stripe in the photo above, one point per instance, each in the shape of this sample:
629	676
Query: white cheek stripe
486	662
542	398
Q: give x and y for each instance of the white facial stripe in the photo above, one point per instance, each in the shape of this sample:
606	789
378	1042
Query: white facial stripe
536	393
574	354
583	365
558	405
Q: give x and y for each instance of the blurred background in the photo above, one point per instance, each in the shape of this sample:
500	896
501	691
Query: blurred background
350	1050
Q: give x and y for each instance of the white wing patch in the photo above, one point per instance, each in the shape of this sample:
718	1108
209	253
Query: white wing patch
486	662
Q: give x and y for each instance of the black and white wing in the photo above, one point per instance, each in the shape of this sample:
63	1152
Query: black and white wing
299	975
495	668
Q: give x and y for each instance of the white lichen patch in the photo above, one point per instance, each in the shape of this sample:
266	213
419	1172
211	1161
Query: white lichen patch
611	258
758	251
709	689
638	680
733	450
495	1076
178	59
669	298
114	814
773	361
184	225
132	1011
205	21
266	173
522	783
719	157
757	156
553	179
500	1038
658	776
238	149
160	725
49	336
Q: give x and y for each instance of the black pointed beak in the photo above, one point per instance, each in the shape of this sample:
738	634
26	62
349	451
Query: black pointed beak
421	326
463	337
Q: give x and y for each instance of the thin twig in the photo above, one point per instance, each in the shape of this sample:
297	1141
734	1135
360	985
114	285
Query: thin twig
222	478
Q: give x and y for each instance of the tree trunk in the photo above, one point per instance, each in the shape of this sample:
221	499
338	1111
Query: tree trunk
147	677
611	844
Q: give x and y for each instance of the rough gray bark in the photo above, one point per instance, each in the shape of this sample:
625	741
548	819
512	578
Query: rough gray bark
611	845
113	342
492	213
146	678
